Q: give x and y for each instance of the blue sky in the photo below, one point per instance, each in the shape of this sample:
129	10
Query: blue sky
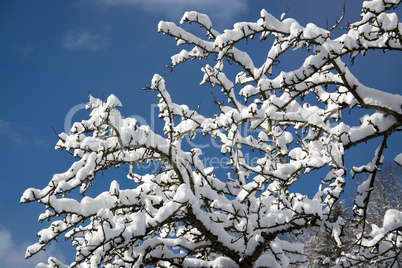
53	53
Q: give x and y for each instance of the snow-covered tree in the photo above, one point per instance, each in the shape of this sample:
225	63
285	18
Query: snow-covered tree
387	191
386	195
321	248
187	214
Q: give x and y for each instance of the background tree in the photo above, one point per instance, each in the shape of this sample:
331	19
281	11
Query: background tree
323	251
385	195
387	191
188	214
321	248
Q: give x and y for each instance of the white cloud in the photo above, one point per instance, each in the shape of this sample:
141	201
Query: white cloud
42	143
220	11
21	135
82	39
12	254
26	50
10	131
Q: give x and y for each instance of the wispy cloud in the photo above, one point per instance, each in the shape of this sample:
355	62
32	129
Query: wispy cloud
42	143
26	50
220	11
21	135
82	39
12	254
9	130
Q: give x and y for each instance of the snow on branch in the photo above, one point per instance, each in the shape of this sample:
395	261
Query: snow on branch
188	213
